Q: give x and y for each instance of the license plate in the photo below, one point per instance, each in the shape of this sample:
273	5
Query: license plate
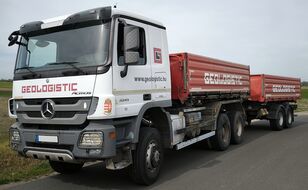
46	139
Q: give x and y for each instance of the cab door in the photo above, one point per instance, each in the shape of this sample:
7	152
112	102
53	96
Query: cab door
133	90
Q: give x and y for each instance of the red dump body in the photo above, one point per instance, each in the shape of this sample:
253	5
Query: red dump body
268	88
193	74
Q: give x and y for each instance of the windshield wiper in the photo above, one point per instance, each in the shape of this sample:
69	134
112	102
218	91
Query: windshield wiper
70	63
29	69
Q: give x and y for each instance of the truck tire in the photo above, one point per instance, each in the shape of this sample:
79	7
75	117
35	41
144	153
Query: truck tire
237	127
289	118
65	167
278	123
221	140
147	158
248	122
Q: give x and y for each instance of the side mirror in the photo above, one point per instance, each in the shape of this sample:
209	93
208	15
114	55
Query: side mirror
13	38
131	45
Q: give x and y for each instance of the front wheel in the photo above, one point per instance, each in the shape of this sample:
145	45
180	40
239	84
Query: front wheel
147	158
65	167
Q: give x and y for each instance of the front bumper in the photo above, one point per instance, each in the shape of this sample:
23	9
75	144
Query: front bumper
66	149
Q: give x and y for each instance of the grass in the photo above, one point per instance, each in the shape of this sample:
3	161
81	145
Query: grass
13	167
304	93
5	93
5	89
303	102
4	84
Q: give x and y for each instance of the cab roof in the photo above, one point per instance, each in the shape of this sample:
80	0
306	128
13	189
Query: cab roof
101	14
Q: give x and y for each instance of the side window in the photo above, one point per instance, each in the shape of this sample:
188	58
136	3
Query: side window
120	46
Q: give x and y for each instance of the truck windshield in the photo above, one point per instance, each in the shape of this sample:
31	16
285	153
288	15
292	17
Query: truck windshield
69	49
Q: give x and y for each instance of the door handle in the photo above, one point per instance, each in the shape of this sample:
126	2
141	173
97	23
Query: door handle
147	97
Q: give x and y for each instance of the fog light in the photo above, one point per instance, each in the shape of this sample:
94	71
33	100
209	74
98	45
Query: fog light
91	140
15	137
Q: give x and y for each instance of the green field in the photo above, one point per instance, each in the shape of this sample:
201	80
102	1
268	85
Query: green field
303	102
5	89
5	93
305	92
4	84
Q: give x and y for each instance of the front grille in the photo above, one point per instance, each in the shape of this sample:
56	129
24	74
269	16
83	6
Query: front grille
57	101
55	146
66	110
60	114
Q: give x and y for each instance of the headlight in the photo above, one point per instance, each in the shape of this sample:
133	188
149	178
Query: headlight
91	140
15	136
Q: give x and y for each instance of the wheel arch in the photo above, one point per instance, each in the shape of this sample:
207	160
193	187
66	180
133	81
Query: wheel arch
155	112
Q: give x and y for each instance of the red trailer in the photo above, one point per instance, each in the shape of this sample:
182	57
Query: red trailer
269	88
199	75
273	98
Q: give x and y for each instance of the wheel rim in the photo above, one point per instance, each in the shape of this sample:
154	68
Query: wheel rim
152	156
289	117
239	128
280	119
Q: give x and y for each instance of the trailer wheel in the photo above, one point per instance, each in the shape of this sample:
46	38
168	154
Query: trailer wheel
65	167
221	140
237	127
278	123
289	118
147	158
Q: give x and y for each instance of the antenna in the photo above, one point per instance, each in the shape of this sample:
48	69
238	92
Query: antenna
115	6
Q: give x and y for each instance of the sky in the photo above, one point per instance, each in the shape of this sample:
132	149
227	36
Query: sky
270	36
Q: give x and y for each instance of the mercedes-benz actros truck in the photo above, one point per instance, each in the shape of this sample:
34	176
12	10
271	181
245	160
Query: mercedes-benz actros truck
100	85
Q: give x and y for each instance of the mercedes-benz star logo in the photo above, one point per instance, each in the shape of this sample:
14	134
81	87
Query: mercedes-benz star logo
47	109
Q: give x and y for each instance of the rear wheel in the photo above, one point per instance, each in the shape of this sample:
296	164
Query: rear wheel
237	127
147	158
65	167
289	118
221	140
277	124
